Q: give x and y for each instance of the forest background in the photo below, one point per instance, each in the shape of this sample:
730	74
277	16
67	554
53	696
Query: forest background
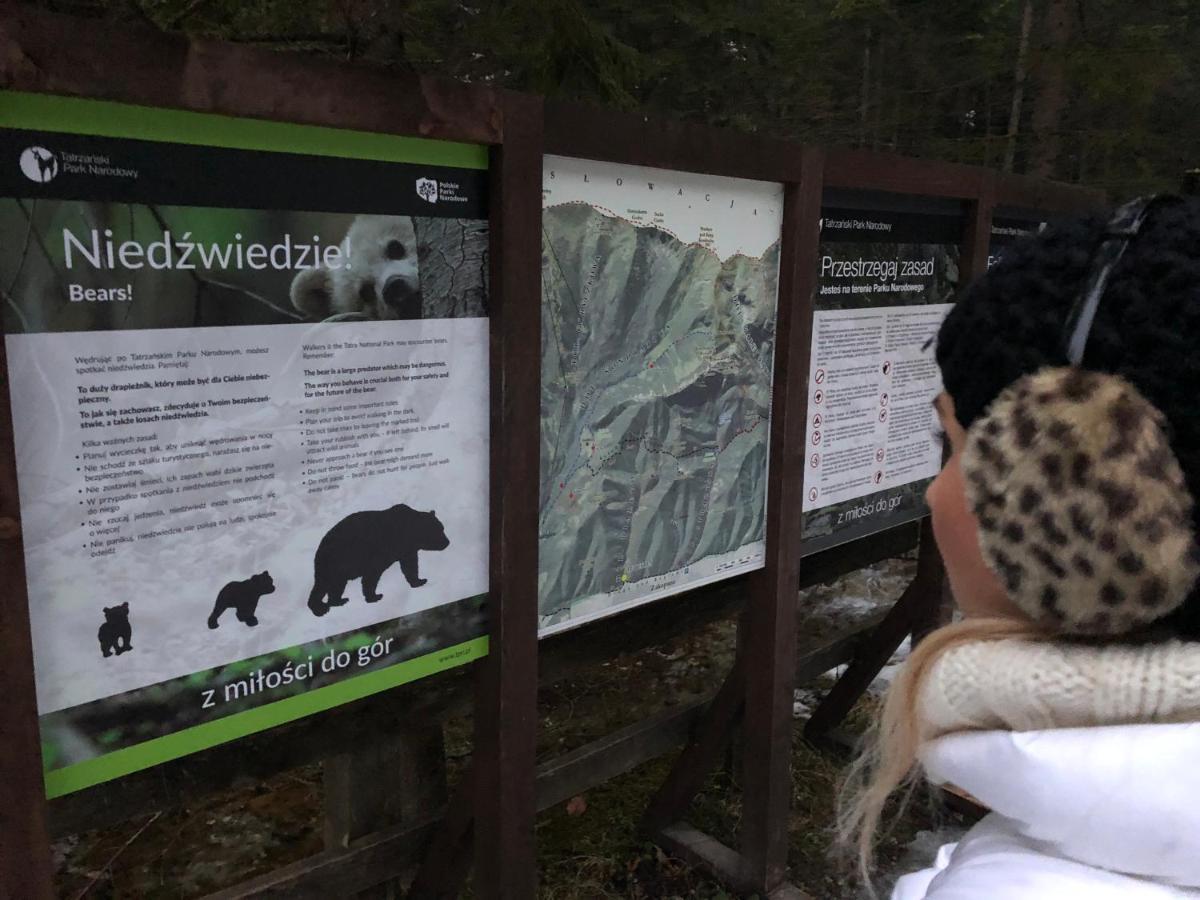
1099	92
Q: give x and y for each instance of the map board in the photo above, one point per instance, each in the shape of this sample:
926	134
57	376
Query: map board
886	281
659	292
249	376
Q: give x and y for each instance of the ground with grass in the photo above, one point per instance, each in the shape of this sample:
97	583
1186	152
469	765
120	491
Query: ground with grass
587	847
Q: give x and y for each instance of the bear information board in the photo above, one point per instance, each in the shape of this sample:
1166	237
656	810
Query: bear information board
886	279
249	376
659	292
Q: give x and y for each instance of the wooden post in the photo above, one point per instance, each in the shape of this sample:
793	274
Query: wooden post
25	867
872	655
701	755
506	699
770	617
493	811
25	870
395	780
977	236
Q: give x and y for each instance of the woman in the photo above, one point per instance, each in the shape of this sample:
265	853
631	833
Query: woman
1067	700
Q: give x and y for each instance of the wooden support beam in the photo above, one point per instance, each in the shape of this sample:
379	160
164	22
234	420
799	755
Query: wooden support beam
339	873
444	867
701	756
710	856
394	780
858	676
506	690
769	622
25	870
565	776
977	236
389	781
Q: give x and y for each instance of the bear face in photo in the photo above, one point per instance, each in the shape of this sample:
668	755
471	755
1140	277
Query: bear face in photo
379	277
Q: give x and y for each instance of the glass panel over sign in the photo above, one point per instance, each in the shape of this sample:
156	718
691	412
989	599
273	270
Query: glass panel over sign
249	379
886	279
659	293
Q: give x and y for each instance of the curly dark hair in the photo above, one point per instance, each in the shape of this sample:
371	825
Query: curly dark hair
1010	322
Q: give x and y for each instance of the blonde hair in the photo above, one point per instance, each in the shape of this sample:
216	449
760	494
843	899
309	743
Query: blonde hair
889	757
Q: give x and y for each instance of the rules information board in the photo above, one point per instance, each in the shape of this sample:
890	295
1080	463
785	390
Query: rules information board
886	279
249	376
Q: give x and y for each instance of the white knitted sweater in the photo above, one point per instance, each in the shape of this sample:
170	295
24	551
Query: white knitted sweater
1018	685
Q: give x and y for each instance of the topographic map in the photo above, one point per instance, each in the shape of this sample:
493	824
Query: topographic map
658	333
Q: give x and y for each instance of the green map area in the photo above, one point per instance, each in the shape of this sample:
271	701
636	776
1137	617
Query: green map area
656	385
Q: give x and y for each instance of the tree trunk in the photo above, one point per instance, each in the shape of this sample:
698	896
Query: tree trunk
1051	100
1014	116
881	74
987	123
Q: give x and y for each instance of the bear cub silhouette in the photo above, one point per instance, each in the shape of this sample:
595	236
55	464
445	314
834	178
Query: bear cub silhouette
364	544
242	596
115	632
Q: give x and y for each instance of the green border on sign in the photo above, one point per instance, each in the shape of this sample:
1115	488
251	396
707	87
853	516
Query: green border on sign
200	737
73	115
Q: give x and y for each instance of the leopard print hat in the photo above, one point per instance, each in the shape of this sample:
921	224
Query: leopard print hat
1083	509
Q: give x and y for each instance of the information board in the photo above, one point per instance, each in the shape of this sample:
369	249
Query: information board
248	365
659	292
886	280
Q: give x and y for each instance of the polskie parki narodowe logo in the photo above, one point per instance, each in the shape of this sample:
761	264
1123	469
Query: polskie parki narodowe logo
42	166
427	190
433	191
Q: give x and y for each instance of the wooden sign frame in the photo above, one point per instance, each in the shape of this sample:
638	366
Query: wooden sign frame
925	603
490	817
203	76
759	688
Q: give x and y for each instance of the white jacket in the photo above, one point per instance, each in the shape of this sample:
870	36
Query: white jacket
1096	813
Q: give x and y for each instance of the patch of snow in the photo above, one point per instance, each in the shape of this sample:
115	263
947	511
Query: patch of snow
888	673
804	701
847	603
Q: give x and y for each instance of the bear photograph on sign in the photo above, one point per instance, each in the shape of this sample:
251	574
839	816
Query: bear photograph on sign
184	272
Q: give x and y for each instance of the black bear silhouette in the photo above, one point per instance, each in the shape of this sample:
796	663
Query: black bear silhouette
115	632
364	544
242	596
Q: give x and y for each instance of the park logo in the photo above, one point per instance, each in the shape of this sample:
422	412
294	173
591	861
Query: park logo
427	190
39	164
